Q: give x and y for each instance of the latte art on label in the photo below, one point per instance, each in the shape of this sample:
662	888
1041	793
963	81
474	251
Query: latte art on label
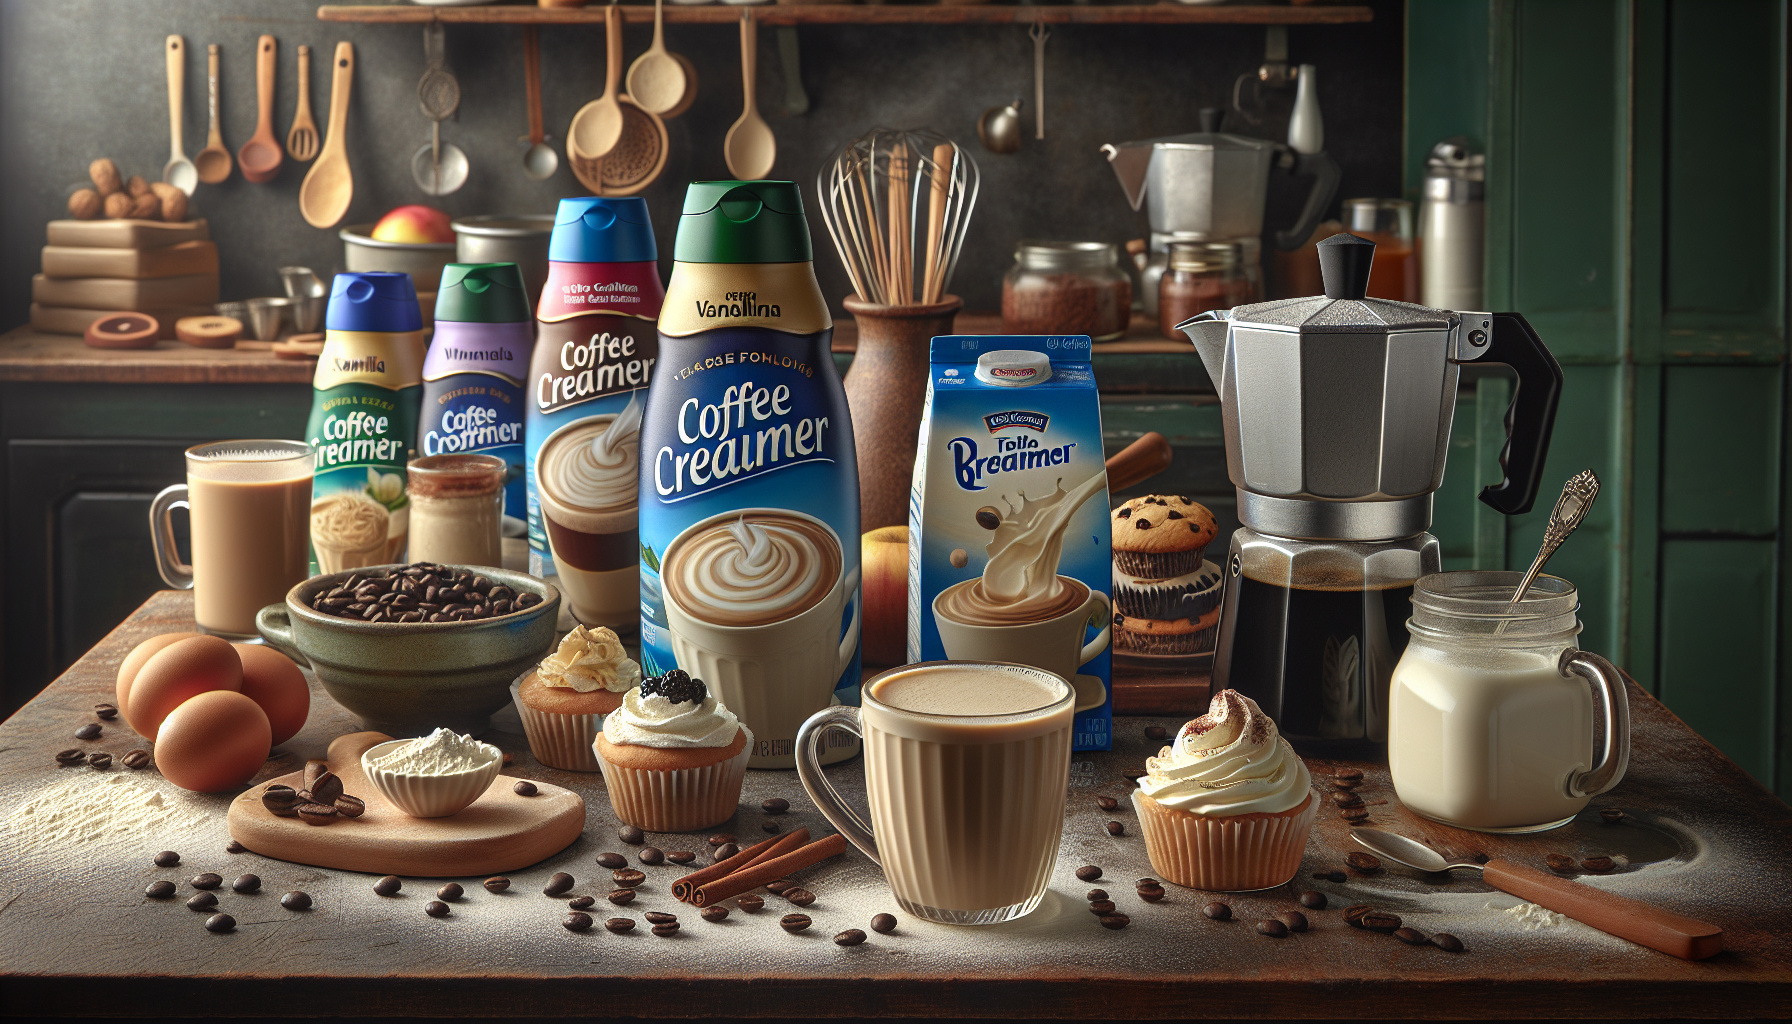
970	602
753	570
596	464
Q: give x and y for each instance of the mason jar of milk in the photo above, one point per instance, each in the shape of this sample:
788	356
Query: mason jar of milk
1497	722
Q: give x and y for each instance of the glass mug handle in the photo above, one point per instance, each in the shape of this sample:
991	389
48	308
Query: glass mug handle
1614	703
175	572
808	768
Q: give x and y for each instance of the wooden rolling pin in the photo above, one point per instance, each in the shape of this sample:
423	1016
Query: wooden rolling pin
1138	461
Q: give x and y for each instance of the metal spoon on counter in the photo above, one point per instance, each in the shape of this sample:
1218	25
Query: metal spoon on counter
1626	918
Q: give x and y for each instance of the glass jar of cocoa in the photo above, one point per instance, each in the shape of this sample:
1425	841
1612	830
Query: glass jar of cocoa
1067	288
1201	276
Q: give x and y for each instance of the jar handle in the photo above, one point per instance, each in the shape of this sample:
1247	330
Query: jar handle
1611	729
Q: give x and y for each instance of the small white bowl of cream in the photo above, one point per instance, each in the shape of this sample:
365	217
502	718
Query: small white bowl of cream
432	776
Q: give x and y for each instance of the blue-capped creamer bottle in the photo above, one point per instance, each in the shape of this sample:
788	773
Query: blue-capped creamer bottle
473	375
749	488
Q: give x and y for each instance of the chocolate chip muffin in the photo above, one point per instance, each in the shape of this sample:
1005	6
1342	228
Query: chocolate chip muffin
1188	596
1160	636
1160	537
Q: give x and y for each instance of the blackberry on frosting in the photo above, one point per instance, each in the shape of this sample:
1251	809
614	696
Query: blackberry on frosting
676	686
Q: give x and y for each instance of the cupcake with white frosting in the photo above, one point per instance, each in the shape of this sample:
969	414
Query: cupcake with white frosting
563	702
673	756
1228	805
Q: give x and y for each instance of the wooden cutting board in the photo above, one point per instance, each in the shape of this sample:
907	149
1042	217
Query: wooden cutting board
124	292
167	261
64	320
126	234
499	832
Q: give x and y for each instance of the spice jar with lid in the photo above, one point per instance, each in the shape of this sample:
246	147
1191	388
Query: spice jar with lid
1067	288
1201	276
457	509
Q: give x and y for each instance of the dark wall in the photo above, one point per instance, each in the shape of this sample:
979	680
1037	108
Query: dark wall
81	79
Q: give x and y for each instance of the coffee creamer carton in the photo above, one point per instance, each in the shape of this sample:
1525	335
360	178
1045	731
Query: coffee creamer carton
1008	517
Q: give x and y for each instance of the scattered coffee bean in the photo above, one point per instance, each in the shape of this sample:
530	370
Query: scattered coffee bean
581	902
1447	942
202	901
324	789
794	923
775	805
1151	893
105	711
1353	915
1610	814
1217	911
1600	863
1096	894
659	917
1364	863
350	806
1272	928
159	890
561	882
849	937
628	878
1107	803
578	922
246	883
1354	815
235	847
1347	800
632	835
208	880
99	760
721	839
1559	862
1135	774
1156	733
1100	907
612	861
1115	921
621	896
509	759
619	924
750	902
1411	936
1115	828
388	886
1345	785
883	924
497	883
1313	900
667	930
90	731
220	923
1088	873
450	892
800	897
651	855
1380	921
436	908
296	900
524	787
1294	919
777	886
724	851
772	827
1329	876
282	800
317	814
1348	775
680	856
167	859
70	757
714	913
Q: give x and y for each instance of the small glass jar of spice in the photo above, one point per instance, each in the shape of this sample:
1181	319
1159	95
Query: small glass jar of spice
457	509
1201	276
1067	288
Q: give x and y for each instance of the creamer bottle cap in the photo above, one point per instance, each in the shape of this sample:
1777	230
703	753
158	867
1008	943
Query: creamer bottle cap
1013	368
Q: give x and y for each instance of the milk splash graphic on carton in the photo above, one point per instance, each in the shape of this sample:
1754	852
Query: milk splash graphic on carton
1010	459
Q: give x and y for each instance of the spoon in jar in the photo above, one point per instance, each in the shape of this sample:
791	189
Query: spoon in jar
1570	511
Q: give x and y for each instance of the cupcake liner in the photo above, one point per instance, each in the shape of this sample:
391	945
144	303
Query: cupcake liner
681	800
1159	565
1198	642
558	740
1224	854
1188	596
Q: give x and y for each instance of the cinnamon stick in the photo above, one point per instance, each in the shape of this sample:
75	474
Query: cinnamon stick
770	870
773	847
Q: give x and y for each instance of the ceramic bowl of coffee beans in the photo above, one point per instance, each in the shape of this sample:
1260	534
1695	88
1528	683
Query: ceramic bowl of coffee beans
410	648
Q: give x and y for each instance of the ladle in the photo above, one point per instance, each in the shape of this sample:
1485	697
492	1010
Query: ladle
328	188
301	138
539	160
750	148
213	161
1626	918
260	157
179	171
656	78
597	127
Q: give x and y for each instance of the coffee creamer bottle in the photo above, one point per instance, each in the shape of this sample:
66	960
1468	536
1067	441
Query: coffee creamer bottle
473	375
363	424
749	485
594	354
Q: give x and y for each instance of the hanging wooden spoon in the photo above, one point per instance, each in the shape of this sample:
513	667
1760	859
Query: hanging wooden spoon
750	147
214	160
656	79
325	195
301	139
260	157
597	126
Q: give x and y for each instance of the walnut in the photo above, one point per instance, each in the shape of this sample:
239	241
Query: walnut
118	205
174	201
105	176
146	207
85	204
137	186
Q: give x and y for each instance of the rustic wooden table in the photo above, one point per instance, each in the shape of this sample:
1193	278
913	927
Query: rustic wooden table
77	934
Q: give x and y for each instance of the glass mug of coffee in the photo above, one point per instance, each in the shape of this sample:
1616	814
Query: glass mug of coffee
1494	713
249	503
966	767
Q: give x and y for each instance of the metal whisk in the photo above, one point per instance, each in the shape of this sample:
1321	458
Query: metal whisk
896	203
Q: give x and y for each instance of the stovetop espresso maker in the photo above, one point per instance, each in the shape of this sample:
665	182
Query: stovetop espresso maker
1337	412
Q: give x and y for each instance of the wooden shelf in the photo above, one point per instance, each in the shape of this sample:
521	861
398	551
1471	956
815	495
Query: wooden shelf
862	14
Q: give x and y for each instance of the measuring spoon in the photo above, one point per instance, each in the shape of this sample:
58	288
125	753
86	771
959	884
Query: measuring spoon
213	161
260	157
1626	918
179	171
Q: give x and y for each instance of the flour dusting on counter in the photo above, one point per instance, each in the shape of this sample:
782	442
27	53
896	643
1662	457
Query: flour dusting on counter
82	809
1530	917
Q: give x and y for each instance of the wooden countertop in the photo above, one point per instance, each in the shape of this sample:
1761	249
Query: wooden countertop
76	933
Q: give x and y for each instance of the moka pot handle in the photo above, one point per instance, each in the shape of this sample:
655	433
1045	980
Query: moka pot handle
1531	418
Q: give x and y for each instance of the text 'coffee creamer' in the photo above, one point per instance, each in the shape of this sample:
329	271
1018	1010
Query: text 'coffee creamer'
594	355
363	424
749	485
473	375
1008	517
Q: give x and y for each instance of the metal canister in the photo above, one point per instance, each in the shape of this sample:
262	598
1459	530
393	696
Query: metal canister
519	239
1452	225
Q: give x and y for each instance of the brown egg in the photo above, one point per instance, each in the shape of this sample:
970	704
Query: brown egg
133	663
216	740
175	673
273	681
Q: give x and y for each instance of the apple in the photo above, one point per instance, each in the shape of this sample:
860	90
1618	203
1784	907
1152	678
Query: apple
414	225
883	560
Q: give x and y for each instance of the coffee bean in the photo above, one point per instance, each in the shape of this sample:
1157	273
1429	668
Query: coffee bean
1107	803
800	897
1294	919
296	900
202	901
667	930
1411	936
325	789
524	787
99	760
450	892
779	885
619	924
1096	894
509	759
1353	915
1088	872
659	917
775	805
497	883
388	886
771	826
1115	921
883	924
1151	893
680	856
621	896
1100	907
612	861
220	923
350	806
628	878
581	902
70	757
651	855
1354	815
167	859
1364	863
1156	733
1217	911
159	890
1380	921
578	922
105	711
235	847
989	517
1345	785
632	835
1329	876
714	913
1601	863
1347	800
1447	942
208	880
246	883
1348	774
724	851
436	908
282	800
794	923
1135	774
849	937
1115	828
1272	928
1612	815
90	731
721	839
750	902
1313	900
317	814
1559	862
561	882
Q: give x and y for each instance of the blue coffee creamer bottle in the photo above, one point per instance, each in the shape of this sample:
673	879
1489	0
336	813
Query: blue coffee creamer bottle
749	485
